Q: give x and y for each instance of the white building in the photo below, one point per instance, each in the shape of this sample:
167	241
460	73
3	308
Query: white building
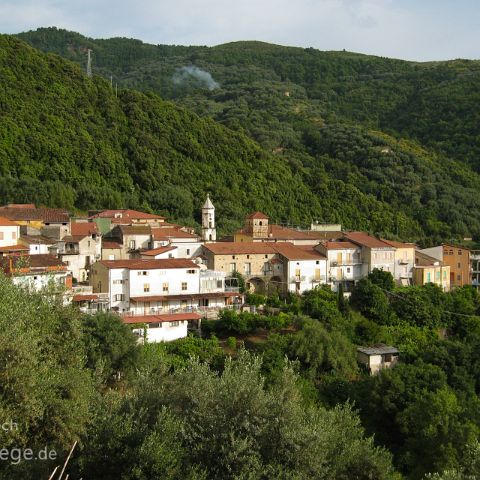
38	244
189	245
404	262
344	263
81	249
9	232
143	286
38	272
376	254
303	268
159	253
161	328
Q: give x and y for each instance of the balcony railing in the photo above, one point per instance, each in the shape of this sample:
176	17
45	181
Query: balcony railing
346	263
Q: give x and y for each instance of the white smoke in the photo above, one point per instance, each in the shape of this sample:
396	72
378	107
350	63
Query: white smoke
201	77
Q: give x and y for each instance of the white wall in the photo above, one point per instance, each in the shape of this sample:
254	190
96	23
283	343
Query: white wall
165	332
307	274
9	235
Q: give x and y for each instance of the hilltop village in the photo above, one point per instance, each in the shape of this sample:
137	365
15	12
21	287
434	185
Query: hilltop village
168	277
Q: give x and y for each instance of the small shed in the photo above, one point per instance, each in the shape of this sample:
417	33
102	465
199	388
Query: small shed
377	357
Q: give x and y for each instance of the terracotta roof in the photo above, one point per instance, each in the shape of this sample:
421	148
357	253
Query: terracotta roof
135	229
149	264
5	222
35	263
85	297
396	244
340	245
257	215
157	251
73	238
292	252
184	296
46	215
111	244
286	233
37	239
366	240
19	205
83	228
14	248
172	317
167	233
240	248
127	214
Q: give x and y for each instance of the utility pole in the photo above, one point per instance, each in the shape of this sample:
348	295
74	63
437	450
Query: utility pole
89	63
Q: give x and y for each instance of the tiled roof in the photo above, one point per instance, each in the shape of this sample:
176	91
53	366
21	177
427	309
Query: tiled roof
396	244
157	251
366	240
240	248
379	349
83	228
35	262
85	297
14	248
167	233
46	215
292	252
19	205
5	222
172	317
340	245
257	215
73	238
135	229
127	214
110	244
37	239
148	264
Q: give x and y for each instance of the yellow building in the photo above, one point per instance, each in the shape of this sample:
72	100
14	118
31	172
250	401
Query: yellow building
430	270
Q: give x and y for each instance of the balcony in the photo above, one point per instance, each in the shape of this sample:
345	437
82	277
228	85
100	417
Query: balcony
403	261
346	263
297	279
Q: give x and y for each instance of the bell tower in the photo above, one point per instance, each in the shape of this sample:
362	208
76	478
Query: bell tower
209	232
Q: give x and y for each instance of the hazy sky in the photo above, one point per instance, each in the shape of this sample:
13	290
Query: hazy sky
408	29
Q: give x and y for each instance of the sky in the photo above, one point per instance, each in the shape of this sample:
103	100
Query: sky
419	30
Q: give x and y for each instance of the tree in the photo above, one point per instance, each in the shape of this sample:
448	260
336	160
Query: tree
371	301
382	279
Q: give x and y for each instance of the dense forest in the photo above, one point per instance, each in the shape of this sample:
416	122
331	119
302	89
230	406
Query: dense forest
361	140
272	395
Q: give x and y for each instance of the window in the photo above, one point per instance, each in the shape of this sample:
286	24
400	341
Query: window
118	282
188	251
132	244
248	256
437	276
444	274
143	272
266	256
460	252
146	287
429	275
165	287
233	267
233	257
459	277
89	244
317	262
184	286
348	269
118	297
191	271
174	324
459	265
247	268
219	284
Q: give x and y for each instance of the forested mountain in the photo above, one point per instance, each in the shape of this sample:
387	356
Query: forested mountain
319	116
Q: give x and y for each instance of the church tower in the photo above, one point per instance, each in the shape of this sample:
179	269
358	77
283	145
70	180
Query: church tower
209	233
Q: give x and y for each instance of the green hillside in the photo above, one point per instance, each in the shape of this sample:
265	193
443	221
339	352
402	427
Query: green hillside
73	142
